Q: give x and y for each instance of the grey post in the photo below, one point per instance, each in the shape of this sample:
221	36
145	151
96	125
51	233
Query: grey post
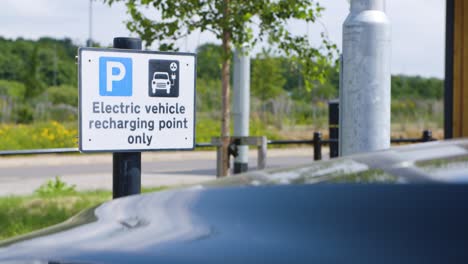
317	146
365	85
427	136
333	119
262	153
241	107
126	166
260	142
89	42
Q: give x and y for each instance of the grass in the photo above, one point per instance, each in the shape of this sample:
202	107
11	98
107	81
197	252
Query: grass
208	127
53	203
20	215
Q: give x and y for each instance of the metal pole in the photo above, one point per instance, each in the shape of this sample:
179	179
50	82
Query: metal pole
449	57
262	153
333	112
365	89
426	136
126	166
90	39
241	107
317	146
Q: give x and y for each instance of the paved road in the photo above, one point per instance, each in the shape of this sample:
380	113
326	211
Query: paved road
22	175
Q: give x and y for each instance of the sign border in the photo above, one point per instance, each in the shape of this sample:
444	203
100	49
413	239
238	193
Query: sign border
81	49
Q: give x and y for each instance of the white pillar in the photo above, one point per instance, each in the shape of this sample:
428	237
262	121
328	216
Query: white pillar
241	107
365	79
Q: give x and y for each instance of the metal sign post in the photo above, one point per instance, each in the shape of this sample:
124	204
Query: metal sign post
333	126
126	166
131	101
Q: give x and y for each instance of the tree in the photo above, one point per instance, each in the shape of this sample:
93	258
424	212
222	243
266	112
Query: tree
209	61
267	78
63	94
31	77
47	61
233	22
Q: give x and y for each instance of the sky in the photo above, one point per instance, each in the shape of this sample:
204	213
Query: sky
418	27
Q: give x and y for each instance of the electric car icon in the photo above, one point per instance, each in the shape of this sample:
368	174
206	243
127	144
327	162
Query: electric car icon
161	81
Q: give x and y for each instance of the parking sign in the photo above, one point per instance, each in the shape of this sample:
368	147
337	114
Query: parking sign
133	100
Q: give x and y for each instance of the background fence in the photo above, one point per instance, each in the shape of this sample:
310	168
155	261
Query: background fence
316	141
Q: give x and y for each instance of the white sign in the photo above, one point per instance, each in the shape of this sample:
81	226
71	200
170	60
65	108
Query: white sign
133	100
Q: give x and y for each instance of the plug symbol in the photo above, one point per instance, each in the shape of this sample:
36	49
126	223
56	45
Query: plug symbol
173	77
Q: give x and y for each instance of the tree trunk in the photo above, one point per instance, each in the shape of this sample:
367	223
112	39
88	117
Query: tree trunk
226	107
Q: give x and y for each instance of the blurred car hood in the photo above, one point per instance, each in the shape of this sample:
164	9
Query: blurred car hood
413	213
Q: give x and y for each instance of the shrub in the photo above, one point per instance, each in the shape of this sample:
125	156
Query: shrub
55	187
36	136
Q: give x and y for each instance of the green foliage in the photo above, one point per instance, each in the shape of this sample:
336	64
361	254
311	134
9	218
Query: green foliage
55	187
208	94
48	92
20	215
23	113
209	61
267	78
63	94
38	135
207	127
37	80
34	85
408	110
416	87
38	64
12	89
292	72
27	68
234	22
310	107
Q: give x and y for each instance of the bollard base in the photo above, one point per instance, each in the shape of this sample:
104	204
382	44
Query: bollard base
240	167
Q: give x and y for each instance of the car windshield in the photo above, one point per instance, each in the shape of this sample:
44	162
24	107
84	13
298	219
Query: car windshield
161	76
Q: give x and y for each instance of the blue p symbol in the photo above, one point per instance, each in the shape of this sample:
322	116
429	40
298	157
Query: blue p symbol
115	76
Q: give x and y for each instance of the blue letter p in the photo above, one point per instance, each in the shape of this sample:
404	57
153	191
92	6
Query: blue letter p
115	76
